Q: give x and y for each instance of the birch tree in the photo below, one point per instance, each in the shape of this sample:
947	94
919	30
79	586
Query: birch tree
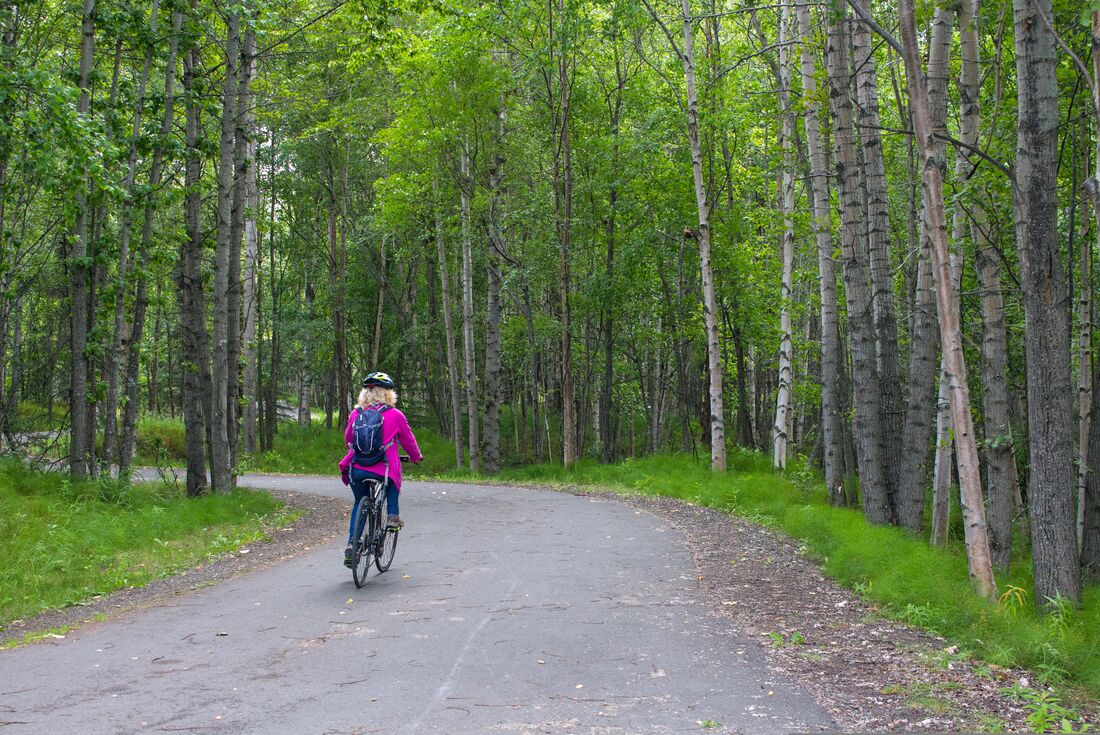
1051	496
831	412
81	433
976	535
786	144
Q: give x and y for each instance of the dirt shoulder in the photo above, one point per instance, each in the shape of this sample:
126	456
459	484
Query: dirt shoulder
321	519
872	674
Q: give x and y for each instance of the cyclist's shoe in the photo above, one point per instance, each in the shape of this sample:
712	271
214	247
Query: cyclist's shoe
394	522
349	556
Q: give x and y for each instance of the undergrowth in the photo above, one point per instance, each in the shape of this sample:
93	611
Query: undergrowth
312	450
62	543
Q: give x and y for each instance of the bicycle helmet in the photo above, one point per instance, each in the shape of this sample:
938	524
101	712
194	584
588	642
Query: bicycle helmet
378	379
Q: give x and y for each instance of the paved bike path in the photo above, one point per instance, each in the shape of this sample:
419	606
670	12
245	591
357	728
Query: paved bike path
506	611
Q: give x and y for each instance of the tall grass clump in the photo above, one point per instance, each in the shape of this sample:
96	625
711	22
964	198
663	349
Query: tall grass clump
891	567
31	416
160	441
61	543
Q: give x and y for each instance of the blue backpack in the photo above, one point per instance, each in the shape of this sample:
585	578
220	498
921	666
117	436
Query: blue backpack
366	436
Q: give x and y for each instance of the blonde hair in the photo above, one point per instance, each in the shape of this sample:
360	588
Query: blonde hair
375	395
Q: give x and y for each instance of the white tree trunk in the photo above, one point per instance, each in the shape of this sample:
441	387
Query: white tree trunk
702	236
941	471
468	312
831	413
251	271
781	429
947	302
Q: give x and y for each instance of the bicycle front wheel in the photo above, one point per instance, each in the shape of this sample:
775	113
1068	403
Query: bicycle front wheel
386	549
362	547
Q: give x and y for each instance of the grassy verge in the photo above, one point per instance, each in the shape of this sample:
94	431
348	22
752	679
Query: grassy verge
895	569
62	543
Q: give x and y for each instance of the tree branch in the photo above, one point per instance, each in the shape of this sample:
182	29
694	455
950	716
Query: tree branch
1006	170
882	32
668	34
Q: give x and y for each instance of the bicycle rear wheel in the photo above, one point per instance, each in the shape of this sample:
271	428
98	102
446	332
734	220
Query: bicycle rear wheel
386	549
362	546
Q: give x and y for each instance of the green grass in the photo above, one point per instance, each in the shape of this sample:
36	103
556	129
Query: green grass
30	416
62	543
891	567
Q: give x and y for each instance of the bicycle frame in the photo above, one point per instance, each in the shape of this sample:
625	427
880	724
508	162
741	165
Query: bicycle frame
371	530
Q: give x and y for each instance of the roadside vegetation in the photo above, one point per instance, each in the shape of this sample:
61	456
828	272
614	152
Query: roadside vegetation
312	450
62	542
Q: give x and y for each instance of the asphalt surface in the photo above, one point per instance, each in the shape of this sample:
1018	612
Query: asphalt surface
505	611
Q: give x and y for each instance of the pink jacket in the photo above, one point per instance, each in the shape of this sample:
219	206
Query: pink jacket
394	425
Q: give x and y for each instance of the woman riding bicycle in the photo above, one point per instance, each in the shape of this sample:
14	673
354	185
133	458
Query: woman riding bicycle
377	395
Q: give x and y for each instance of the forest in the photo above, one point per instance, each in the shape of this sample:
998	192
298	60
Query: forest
859	236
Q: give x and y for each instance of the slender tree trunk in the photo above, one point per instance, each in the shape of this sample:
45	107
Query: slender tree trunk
937	75
831	412
376	342
15	389
9	23
495	279
220	469
534	374
251	286
873	484
305	387
1001	474
196	389
468	314
563	208
448	328
921	396
1084	379
114	356
607	443
702	237
128	432
242	132
1046	324
1090	531
272	408
947	302
339	390
881	263
81	432
781	428
942	467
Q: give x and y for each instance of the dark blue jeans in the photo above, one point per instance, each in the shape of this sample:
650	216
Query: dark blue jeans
359	480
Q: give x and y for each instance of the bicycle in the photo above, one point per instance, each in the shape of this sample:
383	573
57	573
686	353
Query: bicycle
375	541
